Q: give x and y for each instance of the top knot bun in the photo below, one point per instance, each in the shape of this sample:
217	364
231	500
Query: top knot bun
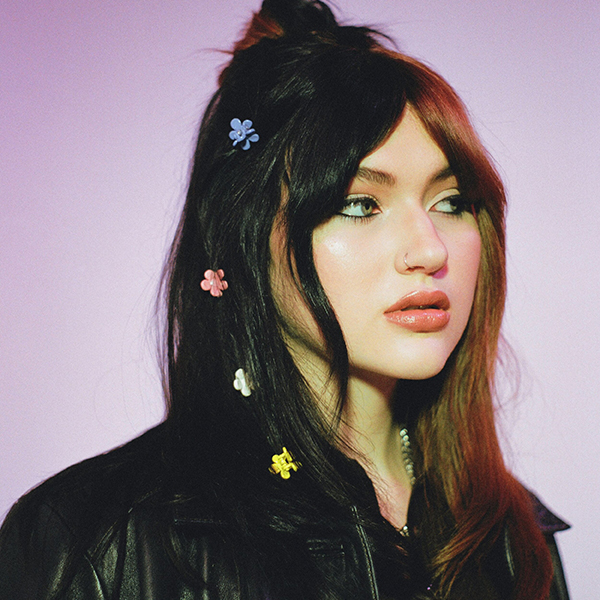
278	18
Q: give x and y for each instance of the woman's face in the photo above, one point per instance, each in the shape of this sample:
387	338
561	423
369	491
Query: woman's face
399	263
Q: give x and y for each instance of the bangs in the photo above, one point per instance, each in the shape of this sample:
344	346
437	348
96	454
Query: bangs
358	100
357	103
445	118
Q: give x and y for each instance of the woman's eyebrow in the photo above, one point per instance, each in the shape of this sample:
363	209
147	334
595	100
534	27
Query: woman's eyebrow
387	179
375	176
442	174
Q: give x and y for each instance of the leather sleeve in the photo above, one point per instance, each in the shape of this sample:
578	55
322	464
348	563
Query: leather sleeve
558	590
35	545
550	524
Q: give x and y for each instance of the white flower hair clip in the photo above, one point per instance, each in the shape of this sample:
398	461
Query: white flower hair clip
241	384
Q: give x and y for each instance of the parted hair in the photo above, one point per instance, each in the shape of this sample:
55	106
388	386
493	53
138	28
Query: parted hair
322	96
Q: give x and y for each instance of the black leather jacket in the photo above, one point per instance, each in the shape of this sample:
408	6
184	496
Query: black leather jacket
41	537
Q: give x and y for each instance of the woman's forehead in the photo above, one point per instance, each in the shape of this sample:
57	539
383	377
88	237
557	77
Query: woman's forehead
407	154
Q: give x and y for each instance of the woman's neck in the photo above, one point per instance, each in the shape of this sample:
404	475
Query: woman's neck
368	421
369	431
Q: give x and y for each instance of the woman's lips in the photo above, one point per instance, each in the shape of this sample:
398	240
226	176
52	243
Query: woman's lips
420	311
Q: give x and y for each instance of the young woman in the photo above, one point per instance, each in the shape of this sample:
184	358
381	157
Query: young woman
334	293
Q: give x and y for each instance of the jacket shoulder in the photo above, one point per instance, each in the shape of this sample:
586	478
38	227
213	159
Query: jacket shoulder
550	524
101	484
57	525
547	521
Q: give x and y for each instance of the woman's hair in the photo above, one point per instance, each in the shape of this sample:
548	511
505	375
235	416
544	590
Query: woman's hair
321	97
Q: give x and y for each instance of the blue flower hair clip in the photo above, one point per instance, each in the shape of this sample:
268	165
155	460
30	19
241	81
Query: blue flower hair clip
242	132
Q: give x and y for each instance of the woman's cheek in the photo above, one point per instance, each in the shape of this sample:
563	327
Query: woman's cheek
344	264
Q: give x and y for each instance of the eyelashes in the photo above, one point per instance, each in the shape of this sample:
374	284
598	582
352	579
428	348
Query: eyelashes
359	207
362	208
455	205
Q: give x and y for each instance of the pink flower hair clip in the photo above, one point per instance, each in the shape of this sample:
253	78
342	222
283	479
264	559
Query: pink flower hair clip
213	282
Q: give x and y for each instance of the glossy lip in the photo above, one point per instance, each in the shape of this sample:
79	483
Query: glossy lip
418	298
421	311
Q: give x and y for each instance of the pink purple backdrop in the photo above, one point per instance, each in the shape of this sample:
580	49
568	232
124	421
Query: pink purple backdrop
99	103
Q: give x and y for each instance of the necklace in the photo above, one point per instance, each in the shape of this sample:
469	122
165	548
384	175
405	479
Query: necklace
408	465
407	455
410	470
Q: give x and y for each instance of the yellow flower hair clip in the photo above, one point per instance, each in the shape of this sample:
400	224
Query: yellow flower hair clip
284	463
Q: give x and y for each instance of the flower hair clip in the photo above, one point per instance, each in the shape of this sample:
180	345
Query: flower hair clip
284	463
242	132
240	383
213	282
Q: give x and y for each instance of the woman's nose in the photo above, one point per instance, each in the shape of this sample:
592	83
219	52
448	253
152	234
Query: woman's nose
420	247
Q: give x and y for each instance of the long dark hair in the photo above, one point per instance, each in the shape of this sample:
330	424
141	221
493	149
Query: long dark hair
321	96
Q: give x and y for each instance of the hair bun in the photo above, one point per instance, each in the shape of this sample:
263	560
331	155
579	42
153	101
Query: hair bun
278	18
300	16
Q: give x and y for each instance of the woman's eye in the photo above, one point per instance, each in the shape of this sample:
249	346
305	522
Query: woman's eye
359	207
452	205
